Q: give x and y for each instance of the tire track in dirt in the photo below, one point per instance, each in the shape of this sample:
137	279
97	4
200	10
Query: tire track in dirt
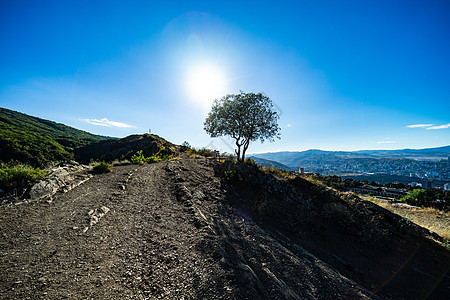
167	233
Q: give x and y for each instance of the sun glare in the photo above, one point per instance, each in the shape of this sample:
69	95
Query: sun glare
205	83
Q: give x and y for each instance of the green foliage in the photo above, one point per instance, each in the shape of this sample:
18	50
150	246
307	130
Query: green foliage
245	117
36	141
417	197
18	175
102	167
252	163
139	158
229	174
277	171
200	152
336	182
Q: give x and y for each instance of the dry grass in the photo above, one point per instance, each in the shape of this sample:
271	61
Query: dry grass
433	219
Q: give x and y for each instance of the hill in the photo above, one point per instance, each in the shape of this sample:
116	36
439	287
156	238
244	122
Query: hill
120	149
427	153
270	163
295	159
201	229
37	141
380	165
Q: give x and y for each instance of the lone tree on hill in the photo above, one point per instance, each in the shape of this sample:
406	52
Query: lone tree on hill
245	117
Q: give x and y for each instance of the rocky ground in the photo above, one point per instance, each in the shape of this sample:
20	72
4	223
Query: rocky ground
193	229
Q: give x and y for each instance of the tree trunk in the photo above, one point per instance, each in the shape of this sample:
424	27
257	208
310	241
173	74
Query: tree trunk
245	149
238	151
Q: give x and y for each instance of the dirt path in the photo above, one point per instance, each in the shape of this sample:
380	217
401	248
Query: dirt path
159	231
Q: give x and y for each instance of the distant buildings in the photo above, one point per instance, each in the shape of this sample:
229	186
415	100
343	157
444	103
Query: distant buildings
378	191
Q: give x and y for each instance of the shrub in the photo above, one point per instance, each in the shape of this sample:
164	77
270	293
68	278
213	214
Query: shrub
229	174
417	197
19	175
252	163
138	158
102	167
193	152
278	172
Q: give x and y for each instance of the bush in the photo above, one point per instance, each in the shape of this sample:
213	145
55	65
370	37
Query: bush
417	197
19	176
139	158
252	163
102	167
278	172
200	152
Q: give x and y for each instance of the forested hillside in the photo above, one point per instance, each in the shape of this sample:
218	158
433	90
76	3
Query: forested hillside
37	141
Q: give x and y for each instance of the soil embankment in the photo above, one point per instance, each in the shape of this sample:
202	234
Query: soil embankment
171	230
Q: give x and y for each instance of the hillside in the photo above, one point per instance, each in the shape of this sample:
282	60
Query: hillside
120	149
37	141
200	229
270	163
295	159
404	166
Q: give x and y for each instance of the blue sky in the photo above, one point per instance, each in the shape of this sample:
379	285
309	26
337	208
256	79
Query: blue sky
344	75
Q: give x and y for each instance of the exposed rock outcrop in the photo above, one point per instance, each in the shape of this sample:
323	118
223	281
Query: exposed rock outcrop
61	178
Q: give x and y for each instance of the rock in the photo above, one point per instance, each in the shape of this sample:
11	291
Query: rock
95	215
62	178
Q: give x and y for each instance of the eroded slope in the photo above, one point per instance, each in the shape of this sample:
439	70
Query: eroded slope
175	230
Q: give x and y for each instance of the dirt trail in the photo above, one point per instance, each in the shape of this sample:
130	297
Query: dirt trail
159	231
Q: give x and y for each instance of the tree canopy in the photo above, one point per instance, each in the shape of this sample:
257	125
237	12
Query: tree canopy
245	117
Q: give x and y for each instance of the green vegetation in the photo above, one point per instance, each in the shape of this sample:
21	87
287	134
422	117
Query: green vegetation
38	142
276	171
425	197
139	158
245	117
18	176
229	175
202	152
252	163
336	182
102	167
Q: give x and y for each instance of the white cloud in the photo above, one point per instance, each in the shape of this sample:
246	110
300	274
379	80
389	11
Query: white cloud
445	126
107	123
386	141
289	125
429	126
419	126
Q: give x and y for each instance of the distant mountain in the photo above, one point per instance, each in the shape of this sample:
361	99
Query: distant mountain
438	152
302	158
270	163
37	141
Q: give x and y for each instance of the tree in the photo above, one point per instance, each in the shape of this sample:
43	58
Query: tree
245	117
417	197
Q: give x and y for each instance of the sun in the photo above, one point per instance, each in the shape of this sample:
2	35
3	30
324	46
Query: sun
205	83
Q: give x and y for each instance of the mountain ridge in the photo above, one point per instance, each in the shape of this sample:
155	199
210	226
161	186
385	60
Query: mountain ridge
38	141
295	159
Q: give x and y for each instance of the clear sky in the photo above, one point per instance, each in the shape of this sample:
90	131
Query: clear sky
344	75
